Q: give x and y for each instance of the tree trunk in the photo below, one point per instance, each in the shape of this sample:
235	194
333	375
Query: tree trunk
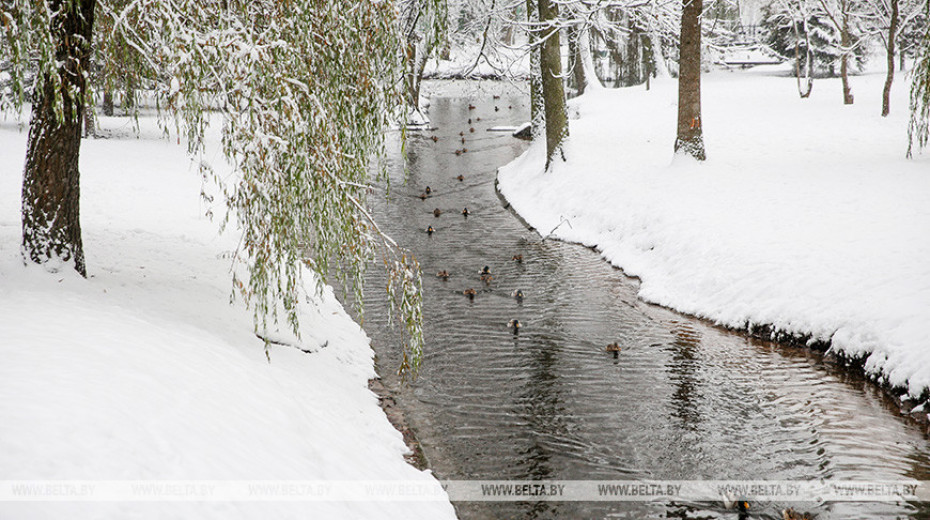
90	127
804	92
578	72
577	65
551	72
892	32
844	60
51	187
108	103
690	138
536	95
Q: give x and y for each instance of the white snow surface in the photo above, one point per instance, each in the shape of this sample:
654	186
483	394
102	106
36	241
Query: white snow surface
806	215
144	371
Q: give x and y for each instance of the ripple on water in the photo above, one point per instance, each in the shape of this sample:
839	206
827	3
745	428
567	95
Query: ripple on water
682	400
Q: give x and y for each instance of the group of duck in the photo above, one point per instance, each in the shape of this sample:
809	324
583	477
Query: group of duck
485	273
486	276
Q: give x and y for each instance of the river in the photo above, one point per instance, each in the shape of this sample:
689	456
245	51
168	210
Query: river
682	400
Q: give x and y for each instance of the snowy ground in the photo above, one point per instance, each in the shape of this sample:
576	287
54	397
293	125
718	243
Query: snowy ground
806	215
144	371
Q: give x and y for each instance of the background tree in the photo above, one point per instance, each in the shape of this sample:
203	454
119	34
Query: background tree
690	139
844	17
886	21
918	129
789	32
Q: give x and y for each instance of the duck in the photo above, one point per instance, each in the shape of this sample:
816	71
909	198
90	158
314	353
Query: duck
437	212
470	293
515	325
518	259
486	271
428	190
471	107
464	150
472	129
463	140
430	230
423	196
460	179
469	120
517	295
434	138
496	109
496	96
791	514
458	152
613	347
465	211
443	274
461	134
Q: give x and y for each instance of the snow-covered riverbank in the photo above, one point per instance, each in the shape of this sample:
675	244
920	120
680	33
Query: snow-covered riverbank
144	371
806	215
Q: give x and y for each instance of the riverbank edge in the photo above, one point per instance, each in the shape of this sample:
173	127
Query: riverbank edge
768	332
387	400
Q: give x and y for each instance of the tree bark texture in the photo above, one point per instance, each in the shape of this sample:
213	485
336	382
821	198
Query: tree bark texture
892	34
51	187
846	42
551	72
690	138
536	96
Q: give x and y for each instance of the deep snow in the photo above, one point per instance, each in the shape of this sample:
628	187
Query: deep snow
806	215
144	371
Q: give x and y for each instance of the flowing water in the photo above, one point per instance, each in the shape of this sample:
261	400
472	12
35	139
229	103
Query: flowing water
683	399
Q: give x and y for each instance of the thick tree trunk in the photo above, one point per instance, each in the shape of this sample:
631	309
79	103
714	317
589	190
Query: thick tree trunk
892	32
690	138
51	187
551	72
536	96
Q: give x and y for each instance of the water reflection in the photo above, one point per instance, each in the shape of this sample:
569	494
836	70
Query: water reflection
682	400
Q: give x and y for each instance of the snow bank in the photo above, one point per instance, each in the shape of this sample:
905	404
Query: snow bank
805	217
144	371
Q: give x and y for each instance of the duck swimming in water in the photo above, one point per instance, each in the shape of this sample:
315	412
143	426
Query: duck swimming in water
791	514
515	325
486	271
461	178
430	230
465	212
437	212
517	295
470	293
613	347
518	259
444	275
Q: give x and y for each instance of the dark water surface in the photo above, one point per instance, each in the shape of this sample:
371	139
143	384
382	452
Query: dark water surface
683	400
